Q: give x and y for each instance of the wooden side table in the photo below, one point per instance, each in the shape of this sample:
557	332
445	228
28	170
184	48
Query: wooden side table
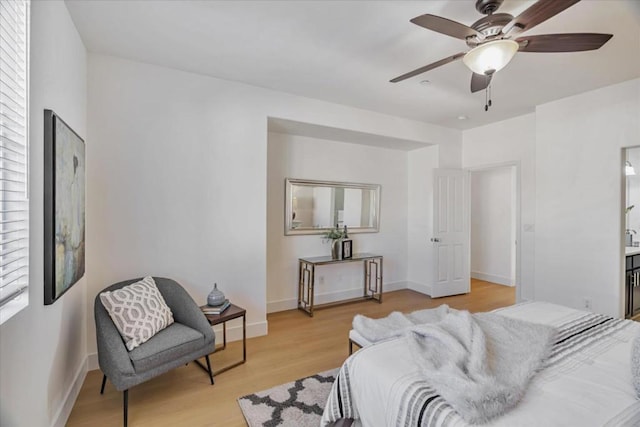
233	312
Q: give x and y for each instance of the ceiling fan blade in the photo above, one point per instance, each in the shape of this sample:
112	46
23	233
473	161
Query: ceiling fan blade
428	67
571	42
445	26
536	14
480	82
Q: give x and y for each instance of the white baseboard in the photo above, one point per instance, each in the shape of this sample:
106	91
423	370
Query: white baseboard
420	287
62	414
92	361
292	303
234	333
234	330
281	305
395	286
493	278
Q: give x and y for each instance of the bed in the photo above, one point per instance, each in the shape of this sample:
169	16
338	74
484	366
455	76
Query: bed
586	381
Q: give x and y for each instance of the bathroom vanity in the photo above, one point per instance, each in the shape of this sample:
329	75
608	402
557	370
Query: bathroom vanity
632	281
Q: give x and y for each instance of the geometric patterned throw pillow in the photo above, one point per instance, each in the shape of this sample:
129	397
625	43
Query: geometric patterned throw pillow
138	311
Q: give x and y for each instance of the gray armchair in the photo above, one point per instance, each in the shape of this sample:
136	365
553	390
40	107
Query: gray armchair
188	338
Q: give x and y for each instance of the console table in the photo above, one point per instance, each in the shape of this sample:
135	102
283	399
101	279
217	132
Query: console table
306	278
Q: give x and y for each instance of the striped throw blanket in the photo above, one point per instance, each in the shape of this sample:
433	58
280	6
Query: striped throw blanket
580	339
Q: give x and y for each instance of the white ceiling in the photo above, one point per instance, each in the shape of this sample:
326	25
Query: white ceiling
347	51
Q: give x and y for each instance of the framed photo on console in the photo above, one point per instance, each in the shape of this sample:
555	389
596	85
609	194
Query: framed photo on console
347	247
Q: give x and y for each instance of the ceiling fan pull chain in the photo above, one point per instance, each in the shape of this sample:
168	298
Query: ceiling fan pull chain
489	88
486	97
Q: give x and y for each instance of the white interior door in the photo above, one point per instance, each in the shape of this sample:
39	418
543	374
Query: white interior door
451	232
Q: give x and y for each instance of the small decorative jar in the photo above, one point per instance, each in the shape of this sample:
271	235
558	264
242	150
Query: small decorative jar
215	297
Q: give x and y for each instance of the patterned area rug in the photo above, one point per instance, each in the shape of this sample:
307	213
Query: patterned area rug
296	404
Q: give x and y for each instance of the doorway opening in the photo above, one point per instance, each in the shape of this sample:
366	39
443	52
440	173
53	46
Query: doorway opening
494	226
631	234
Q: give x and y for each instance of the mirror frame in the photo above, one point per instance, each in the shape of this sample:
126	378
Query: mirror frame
288	206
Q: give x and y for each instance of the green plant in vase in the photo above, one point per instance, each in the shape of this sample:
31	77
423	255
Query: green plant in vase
334	236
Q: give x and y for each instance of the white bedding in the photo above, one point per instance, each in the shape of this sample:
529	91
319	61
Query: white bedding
586	381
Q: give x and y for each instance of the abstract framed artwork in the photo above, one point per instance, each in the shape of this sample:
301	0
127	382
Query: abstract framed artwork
64	207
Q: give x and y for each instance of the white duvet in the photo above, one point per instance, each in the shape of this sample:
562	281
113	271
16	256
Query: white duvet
587	381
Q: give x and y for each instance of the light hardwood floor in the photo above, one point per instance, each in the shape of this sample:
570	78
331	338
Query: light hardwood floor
297	346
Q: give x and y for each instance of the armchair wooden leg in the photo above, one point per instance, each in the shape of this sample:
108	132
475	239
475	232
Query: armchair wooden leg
126	406
209	369
104	381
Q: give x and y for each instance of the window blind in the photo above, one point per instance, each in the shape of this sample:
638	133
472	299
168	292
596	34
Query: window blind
14	165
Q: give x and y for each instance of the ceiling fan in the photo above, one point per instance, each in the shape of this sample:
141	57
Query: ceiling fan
492	41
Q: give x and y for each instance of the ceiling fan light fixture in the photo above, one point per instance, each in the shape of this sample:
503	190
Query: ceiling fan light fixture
490	57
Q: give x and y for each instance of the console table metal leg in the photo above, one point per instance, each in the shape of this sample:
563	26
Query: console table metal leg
244	338
306	278
300	285
367	278
312	280
373	278
379	282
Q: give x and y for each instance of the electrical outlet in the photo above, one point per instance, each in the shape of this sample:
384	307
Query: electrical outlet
587	303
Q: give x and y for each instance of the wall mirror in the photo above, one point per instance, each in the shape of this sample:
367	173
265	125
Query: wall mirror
313	207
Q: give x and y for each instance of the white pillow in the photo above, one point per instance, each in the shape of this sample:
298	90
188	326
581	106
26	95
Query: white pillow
138	311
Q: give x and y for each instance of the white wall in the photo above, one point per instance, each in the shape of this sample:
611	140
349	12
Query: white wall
493	225
450	156
579	196
511	141
178	170
43	348
295	156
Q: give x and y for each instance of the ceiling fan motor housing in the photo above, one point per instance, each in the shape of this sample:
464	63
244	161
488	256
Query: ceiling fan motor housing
487	7
490	27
